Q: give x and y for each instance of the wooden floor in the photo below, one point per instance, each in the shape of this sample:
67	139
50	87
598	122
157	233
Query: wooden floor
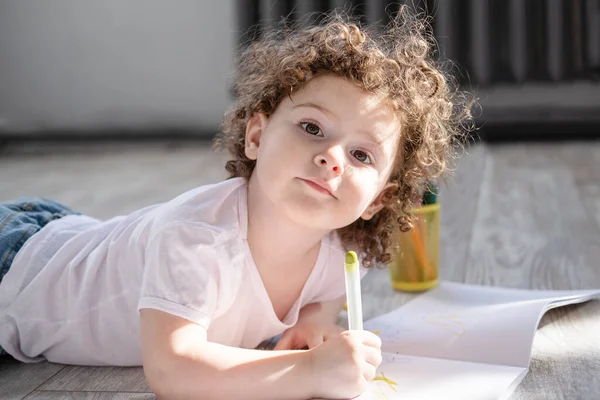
519	215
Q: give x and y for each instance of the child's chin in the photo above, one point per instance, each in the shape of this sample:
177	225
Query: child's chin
321	221
311	219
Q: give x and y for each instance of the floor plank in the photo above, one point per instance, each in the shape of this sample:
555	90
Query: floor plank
98	379
110	180
459	199
585	161
17	380
42	395
532	230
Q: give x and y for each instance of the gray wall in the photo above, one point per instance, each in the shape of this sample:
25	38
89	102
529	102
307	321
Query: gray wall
102	64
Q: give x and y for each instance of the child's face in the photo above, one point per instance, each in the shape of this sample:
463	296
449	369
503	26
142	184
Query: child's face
325	155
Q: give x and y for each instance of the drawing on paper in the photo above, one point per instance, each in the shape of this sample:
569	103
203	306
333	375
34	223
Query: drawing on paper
381	382
379	394
450	323
391	384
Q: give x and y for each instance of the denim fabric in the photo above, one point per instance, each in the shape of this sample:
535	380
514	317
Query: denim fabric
19	220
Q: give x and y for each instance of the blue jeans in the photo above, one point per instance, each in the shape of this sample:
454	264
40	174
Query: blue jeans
21	219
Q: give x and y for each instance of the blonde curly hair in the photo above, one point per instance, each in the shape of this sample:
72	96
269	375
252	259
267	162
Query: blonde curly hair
397	63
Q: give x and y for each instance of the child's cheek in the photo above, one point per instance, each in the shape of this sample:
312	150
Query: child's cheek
365	184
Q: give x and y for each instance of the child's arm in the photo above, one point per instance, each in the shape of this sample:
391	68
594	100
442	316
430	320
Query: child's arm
179	363
316	323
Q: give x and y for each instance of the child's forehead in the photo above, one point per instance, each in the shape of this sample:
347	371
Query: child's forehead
335	89
339	98
331	83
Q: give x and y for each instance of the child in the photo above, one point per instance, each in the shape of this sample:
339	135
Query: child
332	135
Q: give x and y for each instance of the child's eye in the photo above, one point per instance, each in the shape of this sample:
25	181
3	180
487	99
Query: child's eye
311	129
361	156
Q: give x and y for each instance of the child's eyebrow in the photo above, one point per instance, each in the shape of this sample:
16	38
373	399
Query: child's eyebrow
370	135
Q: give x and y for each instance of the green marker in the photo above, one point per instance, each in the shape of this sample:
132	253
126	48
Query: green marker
430	194
353	298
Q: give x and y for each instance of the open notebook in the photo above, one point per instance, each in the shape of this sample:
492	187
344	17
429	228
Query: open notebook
461	341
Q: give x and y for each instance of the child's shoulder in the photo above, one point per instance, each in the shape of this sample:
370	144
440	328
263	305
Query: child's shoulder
211	194
213	207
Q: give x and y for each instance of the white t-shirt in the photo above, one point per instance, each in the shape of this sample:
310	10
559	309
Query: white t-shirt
75	289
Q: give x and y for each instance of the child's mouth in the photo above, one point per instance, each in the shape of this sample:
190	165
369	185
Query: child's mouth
317	187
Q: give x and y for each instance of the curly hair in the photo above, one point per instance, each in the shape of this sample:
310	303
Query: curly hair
395	61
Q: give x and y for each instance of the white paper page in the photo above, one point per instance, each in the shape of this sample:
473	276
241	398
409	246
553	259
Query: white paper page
420	378
470	323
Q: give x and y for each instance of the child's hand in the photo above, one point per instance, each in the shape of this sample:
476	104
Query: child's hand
316	324
345	364
307	333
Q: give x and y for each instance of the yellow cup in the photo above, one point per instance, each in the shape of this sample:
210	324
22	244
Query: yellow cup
415	261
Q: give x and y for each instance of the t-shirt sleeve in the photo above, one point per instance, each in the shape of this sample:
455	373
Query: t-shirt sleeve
184	273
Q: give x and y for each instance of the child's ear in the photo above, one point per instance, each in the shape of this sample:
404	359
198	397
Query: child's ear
377	204
254	130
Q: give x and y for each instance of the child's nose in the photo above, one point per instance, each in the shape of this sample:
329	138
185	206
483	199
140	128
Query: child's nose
332	161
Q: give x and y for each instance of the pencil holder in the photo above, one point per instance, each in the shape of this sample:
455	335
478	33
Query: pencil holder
415	259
